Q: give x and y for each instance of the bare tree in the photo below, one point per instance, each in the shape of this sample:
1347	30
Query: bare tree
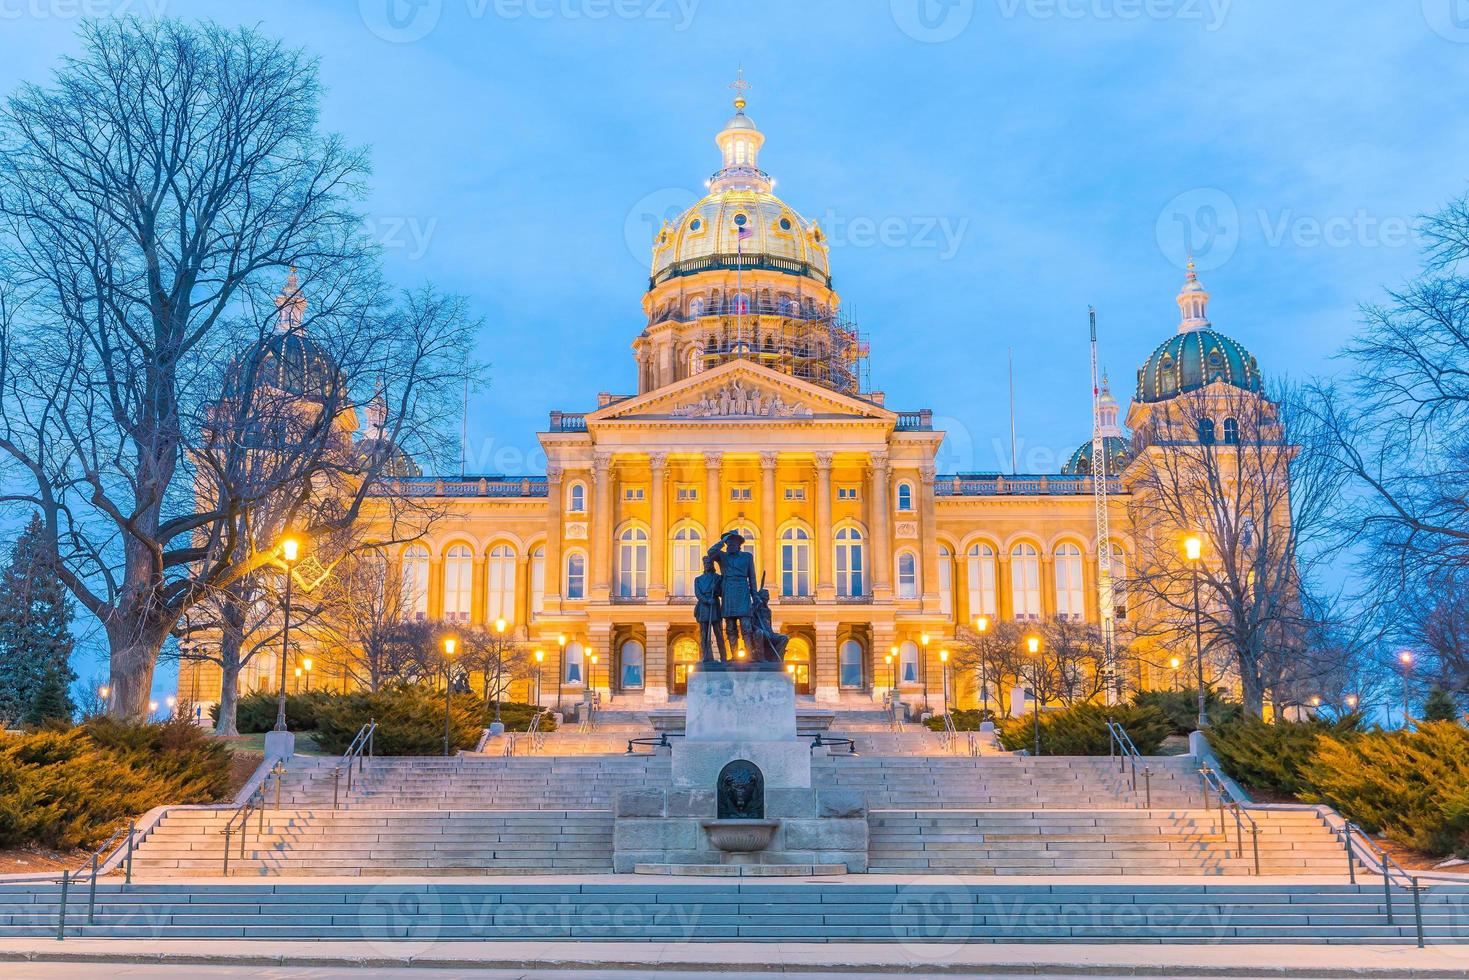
1252	476
152	200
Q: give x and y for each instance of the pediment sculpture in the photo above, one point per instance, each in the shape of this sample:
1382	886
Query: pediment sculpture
736	400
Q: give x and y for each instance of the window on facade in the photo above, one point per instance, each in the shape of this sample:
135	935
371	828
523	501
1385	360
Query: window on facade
687	494
1231	431
795	562
1119	582
847	493
415	583
688	559
632	665
458	576
632	563
907	575
537	581
795	493
1206	431
981	581
1025	581
575	665
576	498
905	496
633	493
946	580
1070	592
500	584
740	493
848	563
849	665
576	575
908	663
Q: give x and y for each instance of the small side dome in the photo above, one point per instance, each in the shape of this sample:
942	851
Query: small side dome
1117	448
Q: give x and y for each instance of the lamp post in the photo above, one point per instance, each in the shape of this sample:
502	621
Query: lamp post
591	679
891	661
1033	644
982	627
306	665
540	658
1175	663
451	644
944	670
497	726
560	668
923	648
1406	659
152	709
172	703
290	554
105	693
1352	702
1193	549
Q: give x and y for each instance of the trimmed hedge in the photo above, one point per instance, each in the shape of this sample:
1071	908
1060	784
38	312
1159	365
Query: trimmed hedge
73	788
517	715
965	720
1082	729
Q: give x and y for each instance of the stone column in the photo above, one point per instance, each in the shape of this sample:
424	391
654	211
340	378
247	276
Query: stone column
1048	585
825	583
436	587
712	464
599	641
768	566
928	552
881	521
658	546
601	527
655	663
555	499
1004	591
824	664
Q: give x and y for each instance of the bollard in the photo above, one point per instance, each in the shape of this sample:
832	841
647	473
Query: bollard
1148	784
1417	910
132	835
92	894
61	912
1351	863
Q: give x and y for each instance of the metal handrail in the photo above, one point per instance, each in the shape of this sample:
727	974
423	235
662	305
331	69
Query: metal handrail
122	840
355	760
950	733
1226	799
1359	844
821	741
1122	747
254	804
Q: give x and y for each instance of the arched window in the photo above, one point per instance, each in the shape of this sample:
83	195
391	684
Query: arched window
1231	431
848	562
907	575
905	496
458	587
500	584
849	665
908	663
632	665
537	581
1070	592
981	581
696	307
696	361
575	668
1119	582
688	559
632	563
576	498
576	575
795	562
1206	431
946	580
1025	581
415	583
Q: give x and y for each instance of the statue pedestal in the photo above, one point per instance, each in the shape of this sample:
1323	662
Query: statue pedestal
748	715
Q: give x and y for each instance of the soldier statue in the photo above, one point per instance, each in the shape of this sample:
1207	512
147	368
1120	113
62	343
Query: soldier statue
736	589
707	614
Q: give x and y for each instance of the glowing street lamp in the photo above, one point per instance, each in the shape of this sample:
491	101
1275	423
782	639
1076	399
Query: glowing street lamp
944	670
1193	550
1406	659
105	693
1174	663
1033	646
982	627
290	554
923	640
451	644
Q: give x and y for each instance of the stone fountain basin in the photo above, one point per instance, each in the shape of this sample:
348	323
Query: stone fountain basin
741	836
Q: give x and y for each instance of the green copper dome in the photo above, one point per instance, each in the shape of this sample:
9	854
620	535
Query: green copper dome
1193	360
1119	454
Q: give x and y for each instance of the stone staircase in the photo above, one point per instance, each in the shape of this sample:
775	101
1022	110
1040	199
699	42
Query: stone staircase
381	842
1099	842
915	913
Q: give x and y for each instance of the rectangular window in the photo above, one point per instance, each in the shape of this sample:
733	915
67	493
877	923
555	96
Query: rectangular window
847	493
632	493
795	493
740	493
687	494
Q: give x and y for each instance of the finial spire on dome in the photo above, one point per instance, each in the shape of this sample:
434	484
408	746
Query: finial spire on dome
1193	302
290	305
740	87
739	142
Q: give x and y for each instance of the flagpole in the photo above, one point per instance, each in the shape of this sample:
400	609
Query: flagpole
1010	353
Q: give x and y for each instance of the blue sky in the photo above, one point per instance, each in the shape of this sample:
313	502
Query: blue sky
985	168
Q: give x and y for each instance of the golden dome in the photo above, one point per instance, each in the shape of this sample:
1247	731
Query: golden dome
740	223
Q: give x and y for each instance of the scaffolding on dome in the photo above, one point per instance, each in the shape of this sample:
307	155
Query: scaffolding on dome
813	344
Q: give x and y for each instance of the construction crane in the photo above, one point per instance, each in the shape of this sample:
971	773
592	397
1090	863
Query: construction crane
1105	600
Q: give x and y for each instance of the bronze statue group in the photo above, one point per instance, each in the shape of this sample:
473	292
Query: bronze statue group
727	595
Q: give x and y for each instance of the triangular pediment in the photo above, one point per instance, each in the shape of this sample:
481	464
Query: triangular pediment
740	391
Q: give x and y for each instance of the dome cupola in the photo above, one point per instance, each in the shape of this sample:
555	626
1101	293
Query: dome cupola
288	360
1197	356
1114	440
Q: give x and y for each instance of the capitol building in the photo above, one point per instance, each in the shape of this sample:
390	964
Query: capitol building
751	412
